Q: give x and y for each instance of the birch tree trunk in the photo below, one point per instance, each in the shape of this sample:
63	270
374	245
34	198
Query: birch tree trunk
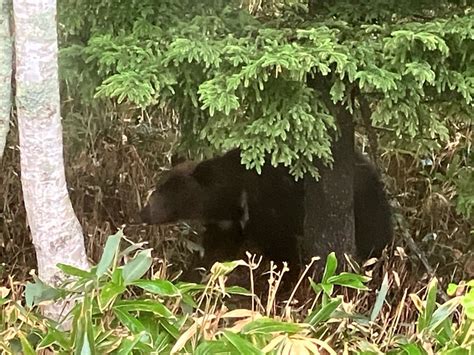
56	232
5	72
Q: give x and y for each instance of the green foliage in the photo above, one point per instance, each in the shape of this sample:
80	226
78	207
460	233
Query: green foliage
140	316
454	175
239	80
435	322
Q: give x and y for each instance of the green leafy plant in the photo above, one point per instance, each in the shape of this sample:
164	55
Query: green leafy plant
118	310
436	325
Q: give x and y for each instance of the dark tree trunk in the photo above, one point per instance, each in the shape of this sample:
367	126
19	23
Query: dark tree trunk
329	202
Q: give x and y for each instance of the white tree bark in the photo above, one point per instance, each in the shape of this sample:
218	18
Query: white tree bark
56	232
5	72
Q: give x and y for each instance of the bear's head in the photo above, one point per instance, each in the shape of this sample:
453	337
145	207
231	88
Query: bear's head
209	192
178	195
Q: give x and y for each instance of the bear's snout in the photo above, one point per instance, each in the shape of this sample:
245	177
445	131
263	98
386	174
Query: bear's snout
155	213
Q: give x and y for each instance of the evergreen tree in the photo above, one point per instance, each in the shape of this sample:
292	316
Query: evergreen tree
284	77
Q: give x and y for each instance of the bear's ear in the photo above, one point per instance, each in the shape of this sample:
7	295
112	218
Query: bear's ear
186	168
204	173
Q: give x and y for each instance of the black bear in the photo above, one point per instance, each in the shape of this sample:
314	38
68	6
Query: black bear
210	192
238	205
372	212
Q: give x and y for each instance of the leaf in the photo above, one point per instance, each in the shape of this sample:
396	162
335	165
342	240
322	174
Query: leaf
162	343
55	336
222	269
117	277
412	349
158	287
273	343
184	338
38	292
337	91
212	347
380	299
315	286
350	280
108	294
145	306
187	287
323	314
468	303
131	248
170	328
267	325
327	288
417	302
74	271
425	316
189	301
128	345
421	72
84	335
110	252
443	312
452	288
237	290
137	267
330	268
26	346
132	323
242	345
458	350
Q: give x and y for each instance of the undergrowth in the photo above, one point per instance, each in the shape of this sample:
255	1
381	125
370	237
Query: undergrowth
118	310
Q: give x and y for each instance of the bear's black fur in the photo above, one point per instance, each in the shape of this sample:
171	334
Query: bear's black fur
372	212
239	205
